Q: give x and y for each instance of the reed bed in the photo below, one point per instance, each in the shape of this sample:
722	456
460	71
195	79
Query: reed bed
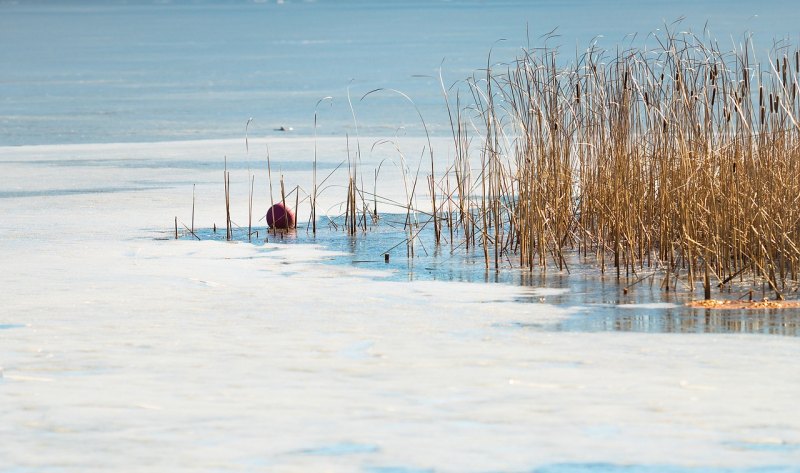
683	158
681	161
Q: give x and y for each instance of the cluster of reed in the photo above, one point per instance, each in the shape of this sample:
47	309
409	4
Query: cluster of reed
683	158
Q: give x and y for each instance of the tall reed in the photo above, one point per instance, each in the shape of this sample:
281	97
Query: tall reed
682	157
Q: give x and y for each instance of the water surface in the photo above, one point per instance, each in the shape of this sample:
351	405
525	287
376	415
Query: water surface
143	71
599	302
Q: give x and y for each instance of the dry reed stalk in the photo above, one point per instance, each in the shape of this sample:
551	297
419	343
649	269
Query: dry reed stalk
193	199
250	209
227	179
269	180
313	199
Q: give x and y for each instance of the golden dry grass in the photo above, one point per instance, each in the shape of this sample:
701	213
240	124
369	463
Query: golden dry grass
683	158
738	305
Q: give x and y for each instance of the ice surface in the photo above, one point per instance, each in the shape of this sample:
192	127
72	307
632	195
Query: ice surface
124	352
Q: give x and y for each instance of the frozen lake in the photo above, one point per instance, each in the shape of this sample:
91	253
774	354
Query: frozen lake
122	349
125	352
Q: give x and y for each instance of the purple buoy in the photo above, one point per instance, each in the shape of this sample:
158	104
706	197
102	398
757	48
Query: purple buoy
280	217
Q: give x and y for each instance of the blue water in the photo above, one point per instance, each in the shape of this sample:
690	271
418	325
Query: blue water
143	71
598	301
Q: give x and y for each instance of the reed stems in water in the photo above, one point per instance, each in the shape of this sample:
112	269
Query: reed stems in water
683	157
683	160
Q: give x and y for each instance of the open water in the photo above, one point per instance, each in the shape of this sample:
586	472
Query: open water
598	302
140	71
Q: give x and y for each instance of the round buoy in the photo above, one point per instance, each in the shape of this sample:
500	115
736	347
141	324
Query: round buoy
280	217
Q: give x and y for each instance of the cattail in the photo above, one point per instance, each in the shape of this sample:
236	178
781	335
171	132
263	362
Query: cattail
785	67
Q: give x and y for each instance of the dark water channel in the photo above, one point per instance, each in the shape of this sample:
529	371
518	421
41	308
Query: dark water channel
598	302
